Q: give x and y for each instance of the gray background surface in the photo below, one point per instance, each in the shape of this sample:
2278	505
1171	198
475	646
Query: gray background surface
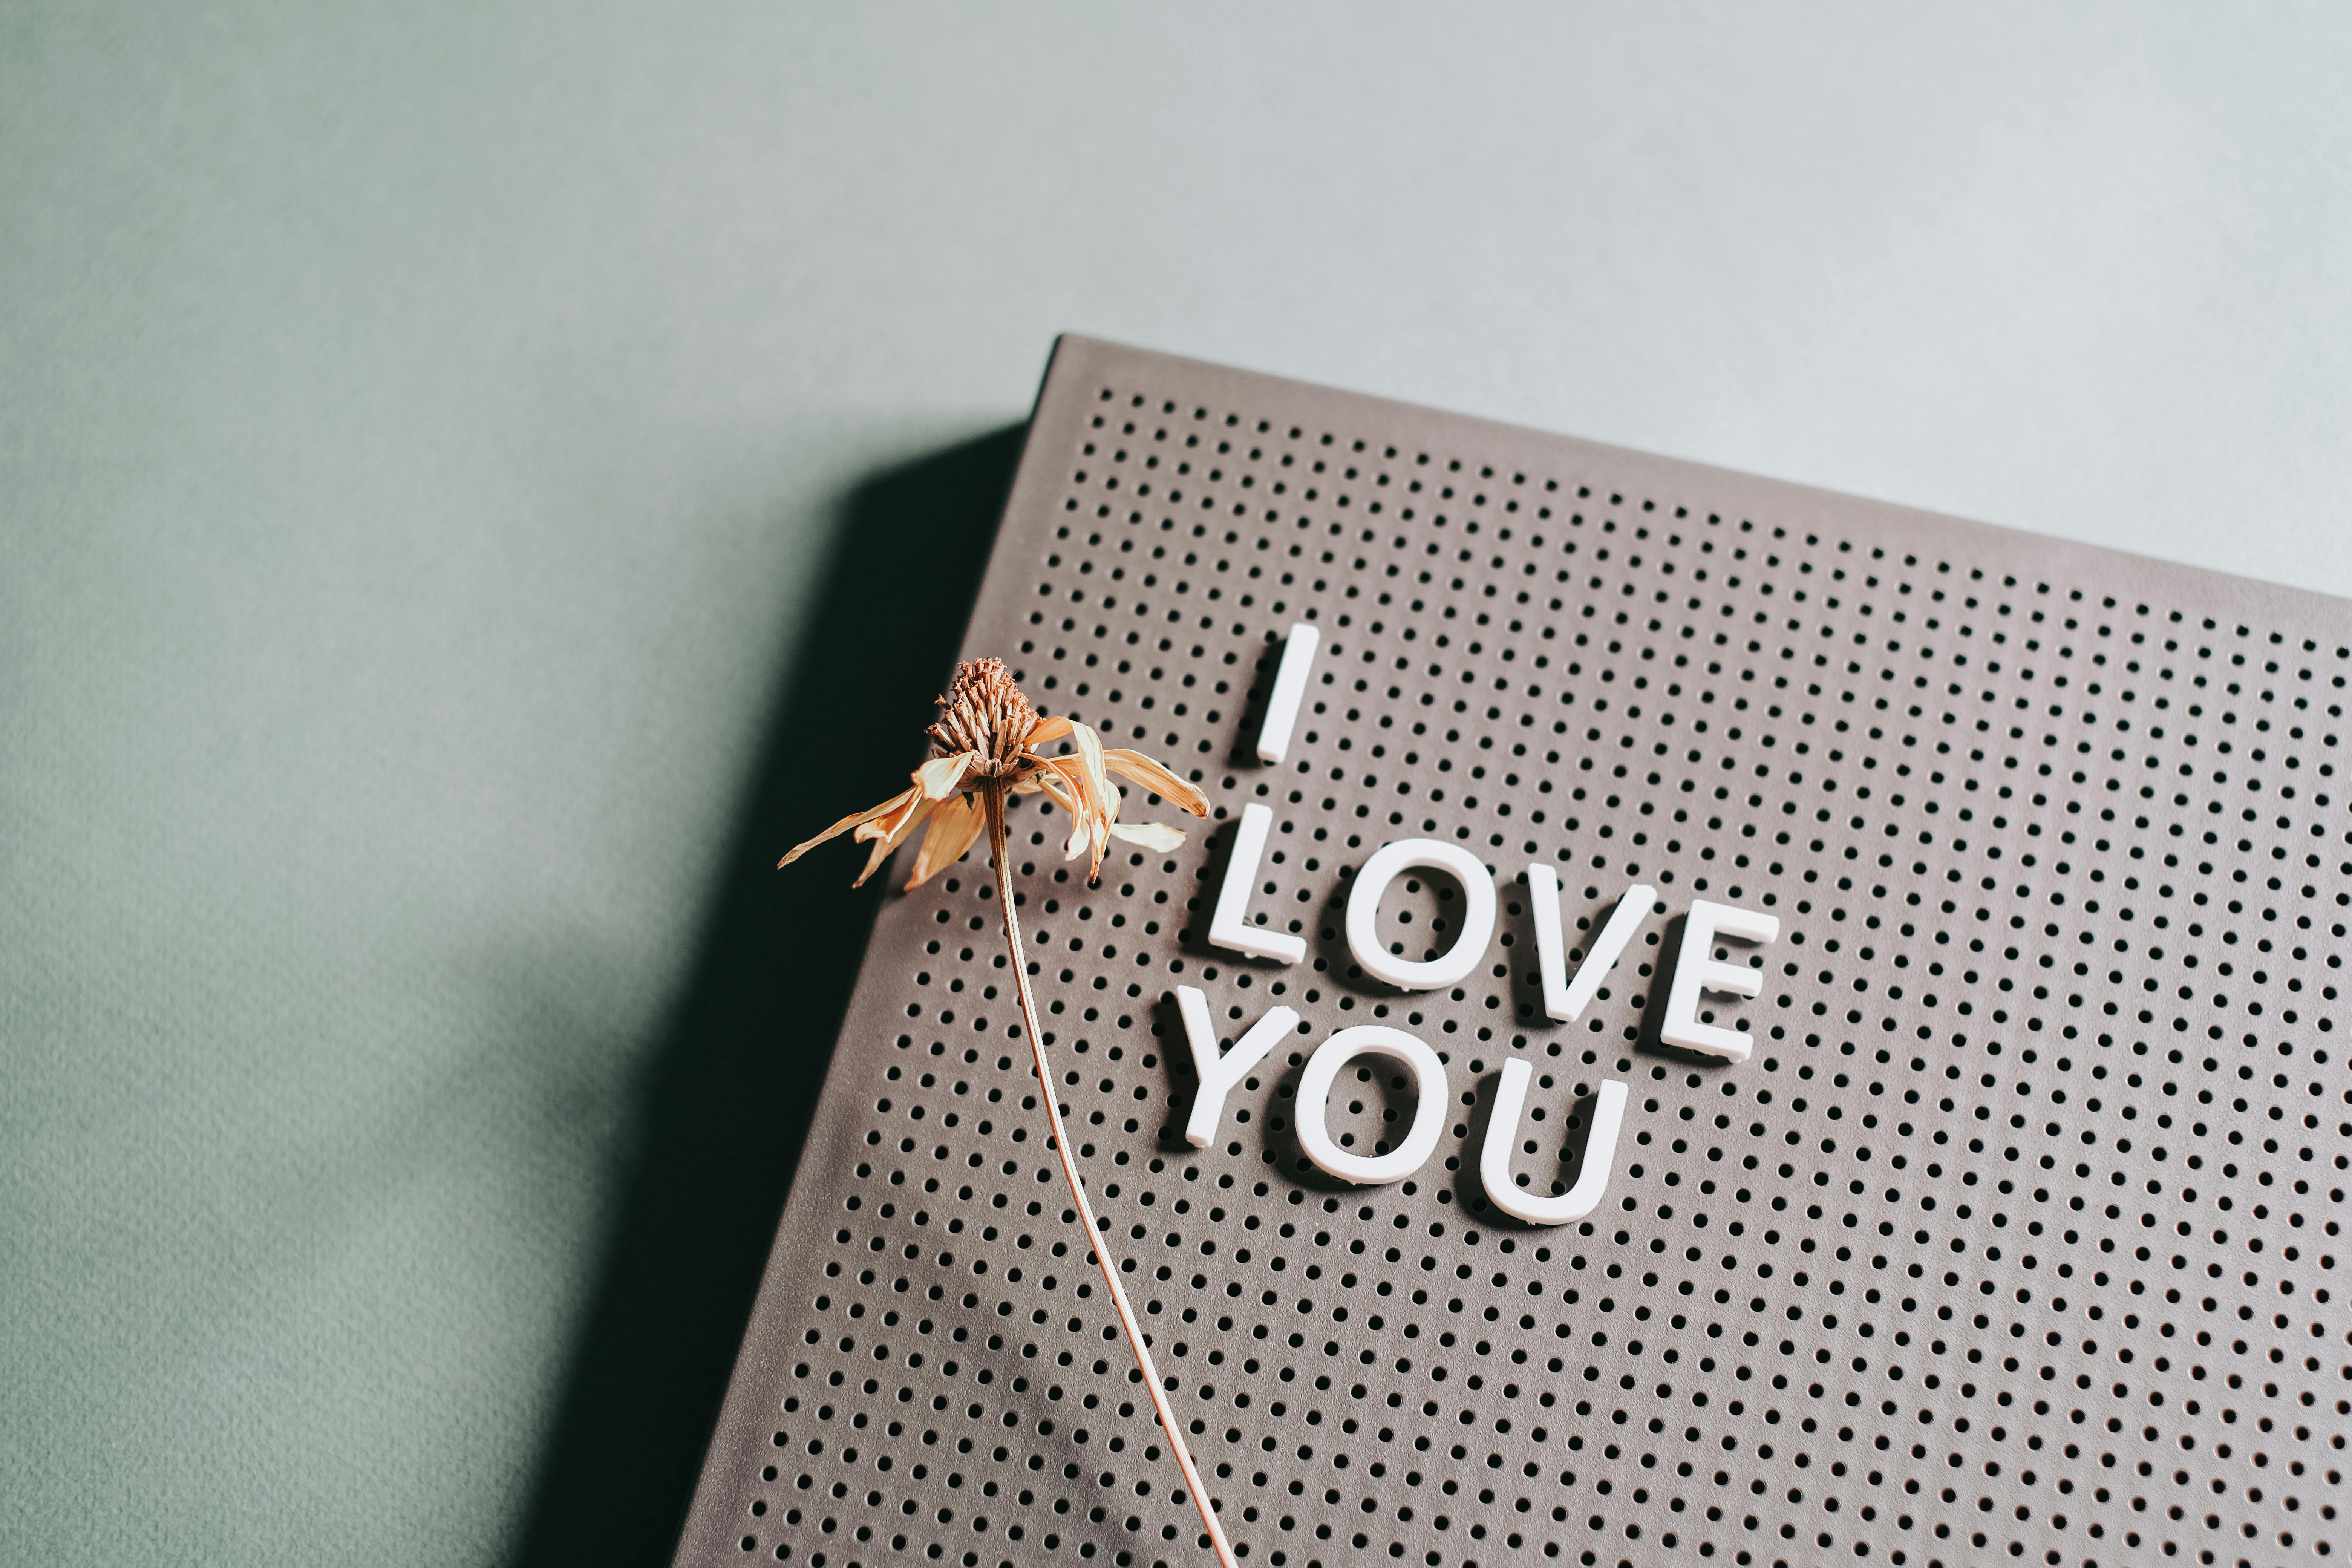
437	444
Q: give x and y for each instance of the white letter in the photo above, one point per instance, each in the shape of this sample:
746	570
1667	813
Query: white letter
1566	1001
1364	912
1503	1131
1289	687
1229	927
1218	1074
1315	1088
1695	970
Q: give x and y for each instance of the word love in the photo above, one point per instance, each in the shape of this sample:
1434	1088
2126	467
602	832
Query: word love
1565	999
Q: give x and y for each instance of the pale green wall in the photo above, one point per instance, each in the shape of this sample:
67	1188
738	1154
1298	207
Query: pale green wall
424	433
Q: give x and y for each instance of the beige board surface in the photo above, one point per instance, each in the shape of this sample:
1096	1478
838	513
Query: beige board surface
2017	1231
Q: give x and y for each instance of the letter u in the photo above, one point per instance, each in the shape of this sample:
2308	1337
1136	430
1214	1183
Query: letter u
1503	1135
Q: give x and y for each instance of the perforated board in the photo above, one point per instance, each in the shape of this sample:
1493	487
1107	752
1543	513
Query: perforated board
2016	1238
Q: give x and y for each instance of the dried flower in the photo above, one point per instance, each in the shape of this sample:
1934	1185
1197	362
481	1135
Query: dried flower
989	735
985	749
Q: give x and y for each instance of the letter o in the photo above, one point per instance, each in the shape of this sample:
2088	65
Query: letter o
1315	1092
1477	917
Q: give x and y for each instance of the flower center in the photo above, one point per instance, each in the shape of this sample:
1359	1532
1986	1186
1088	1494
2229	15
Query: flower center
984	711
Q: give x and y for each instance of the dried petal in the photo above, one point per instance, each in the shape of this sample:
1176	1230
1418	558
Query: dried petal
1054	785
954	825
854	819
1157	837
911	803
939	776
1069	776
1155	777
900	830
1090	753
1047	731
1100	803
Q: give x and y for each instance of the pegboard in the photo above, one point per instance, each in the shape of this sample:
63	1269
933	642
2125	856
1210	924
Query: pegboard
2015	1238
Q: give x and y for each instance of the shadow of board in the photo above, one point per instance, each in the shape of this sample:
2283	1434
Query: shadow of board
724	1105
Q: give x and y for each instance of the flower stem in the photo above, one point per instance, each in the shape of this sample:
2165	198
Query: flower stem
993	800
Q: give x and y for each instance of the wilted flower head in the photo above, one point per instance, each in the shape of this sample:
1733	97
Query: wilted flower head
983	713
987	733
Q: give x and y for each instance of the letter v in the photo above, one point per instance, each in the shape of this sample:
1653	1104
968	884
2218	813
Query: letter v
1565	1000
